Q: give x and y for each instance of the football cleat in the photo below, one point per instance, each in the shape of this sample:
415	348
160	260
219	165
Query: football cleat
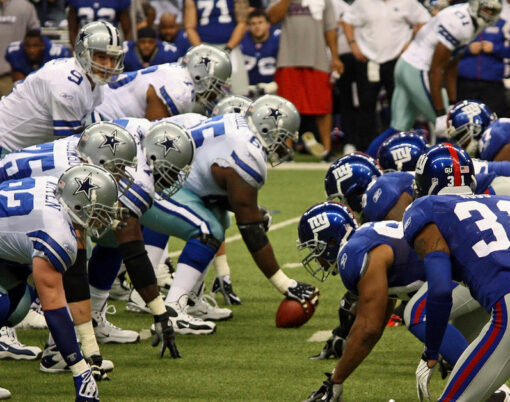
120	289
106	332
136	304
223	285
4	393
165	275
11	348
206	308
34	319
52	361
184	323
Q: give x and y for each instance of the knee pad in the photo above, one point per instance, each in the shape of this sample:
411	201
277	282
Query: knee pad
104	265
137	263
199	252
20	300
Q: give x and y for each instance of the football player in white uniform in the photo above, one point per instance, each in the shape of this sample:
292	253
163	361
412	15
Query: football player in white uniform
38	229
430	62
55	100
228	171
168	89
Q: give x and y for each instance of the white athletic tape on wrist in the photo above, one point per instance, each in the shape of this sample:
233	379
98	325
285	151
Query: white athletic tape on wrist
79	367
157	306
280	281
88	340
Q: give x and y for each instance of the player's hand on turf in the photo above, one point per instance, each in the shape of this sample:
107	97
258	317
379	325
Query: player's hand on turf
333	348
86	387
164	334
95	362
328	392
423	375
302	292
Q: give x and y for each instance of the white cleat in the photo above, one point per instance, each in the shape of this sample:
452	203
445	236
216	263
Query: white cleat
52	362
183	323
206	308
4	393
11	348
106	332
34	319
136	304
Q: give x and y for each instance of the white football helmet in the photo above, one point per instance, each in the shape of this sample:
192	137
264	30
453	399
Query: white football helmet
232	104
486	12
99	36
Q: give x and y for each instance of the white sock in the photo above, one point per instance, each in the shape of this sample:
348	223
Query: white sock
98	298
221	265
198	287
154	254
185	279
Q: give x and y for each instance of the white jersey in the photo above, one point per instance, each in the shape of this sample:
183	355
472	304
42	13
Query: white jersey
53	102
48	159
228	142
452	26
139	197
34	224
128	96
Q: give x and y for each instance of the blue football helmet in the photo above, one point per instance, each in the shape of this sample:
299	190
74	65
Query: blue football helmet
348	177
401	151
323	229
444	169
467	120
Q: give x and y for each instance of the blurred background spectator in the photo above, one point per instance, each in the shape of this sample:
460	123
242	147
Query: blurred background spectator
147	51
16	18
30	54
81	12
481	68
175	7
170	31
149	17
303	64
51	13
377	32
221	23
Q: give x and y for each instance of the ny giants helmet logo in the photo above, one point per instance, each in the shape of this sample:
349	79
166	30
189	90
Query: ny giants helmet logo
472	109
342	173
319	222
401	156
420	165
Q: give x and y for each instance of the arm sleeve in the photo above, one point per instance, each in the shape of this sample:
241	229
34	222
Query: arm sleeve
59	252
67	112
450	33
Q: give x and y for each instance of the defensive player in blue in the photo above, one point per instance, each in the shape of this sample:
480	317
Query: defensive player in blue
82	12
148	51
32	53
401	151
260	48
38	231
445	208
495	142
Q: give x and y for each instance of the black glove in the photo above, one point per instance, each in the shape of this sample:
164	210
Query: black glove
328	392
227	49
95	362
164	333
333	348
267	218
302	292
445	368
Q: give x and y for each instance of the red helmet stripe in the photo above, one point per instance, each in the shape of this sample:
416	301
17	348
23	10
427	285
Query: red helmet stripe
456	164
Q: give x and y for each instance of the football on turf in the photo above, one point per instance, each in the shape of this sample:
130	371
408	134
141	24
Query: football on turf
291	313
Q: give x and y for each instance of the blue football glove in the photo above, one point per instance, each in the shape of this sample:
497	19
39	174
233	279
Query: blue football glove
86	387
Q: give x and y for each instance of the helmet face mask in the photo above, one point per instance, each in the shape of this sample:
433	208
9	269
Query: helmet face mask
111	146
97	46
324	229
486	12
170	151
89	194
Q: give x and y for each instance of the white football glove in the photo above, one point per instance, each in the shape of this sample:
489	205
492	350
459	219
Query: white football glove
328	392
423	375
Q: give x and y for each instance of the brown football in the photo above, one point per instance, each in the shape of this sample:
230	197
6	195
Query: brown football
291	313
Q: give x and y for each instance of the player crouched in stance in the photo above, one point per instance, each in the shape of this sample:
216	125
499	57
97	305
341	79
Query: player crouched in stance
38	230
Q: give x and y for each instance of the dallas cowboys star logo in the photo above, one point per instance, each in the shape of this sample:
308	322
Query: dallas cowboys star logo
111	141
169	144
205	61
85	186
83	35
274	114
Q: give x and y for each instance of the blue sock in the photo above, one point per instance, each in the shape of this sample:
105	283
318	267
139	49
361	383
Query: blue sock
197	254
155	239
5	307
377	142
104	265
62	329
452	346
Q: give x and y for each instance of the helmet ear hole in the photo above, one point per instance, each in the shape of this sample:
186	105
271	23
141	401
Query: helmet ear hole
265	130
77	207
152	157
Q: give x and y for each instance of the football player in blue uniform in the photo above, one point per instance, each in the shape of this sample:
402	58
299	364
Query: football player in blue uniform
32	53
446	207
494	144
148	51
401	151
82	12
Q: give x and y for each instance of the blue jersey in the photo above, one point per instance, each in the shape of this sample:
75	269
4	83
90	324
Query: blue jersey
501	168
405	276
216	20
19	61
476	229
494	138
182	42
260	58
164	53
106	10
383	193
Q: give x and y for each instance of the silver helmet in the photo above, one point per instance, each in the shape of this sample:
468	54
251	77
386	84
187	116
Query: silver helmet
99	36
232	104
89	194
111	146
210	69
274	120
169	150
486	12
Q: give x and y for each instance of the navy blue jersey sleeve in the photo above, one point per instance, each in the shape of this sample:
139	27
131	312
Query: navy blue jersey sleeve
493	139
499	168
416	217
352	264
483	182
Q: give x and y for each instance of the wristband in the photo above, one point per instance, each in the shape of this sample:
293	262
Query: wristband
88	340
157	306
79	367
280	281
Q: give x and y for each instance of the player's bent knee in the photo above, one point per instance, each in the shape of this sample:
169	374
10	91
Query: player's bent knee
199	251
